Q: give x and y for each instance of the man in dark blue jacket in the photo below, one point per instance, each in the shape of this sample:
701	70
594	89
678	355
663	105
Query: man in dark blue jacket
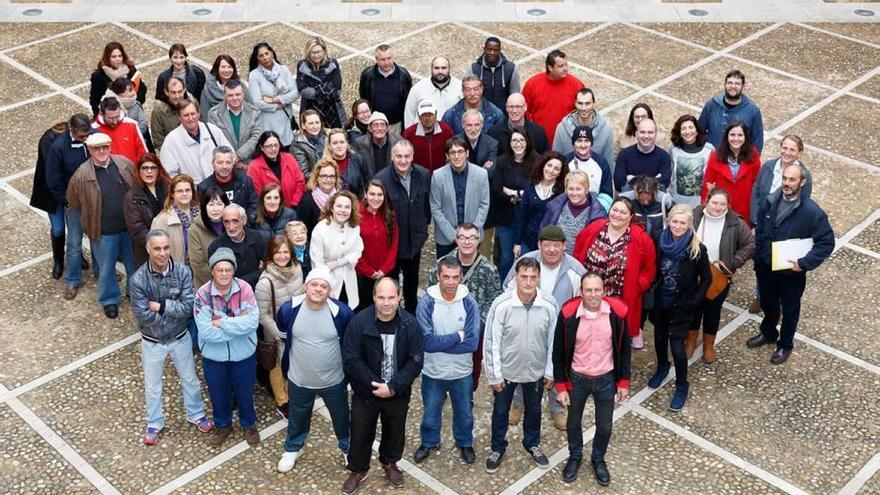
730	106
382	355
787	214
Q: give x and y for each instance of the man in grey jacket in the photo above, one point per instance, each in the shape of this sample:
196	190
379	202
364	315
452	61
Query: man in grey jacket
518	350
162	302
239	121
459	194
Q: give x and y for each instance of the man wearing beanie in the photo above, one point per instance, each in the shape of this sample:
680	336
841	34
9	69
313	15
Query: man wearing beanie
584	158
314	325
586	115
227	316
560	276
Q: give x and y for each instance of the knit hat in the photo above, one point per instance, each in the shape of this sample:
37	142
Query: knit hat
98	139
322	273
552	233
376	117
222	254
581	131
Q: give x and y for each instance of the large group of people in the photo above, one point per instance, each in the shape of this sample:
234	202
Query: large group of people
286	250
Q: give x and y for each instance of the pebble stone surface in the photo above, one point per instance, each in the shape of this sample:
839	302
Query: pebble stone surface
819	409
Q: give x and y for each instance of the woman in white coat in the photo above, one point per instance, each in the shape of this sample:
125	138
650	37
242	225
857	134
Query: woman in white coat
336	243
272	89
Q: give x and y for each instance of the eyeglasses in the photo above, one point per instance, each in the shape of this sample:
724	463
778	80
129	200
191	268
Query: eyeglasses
515	107
149	168
326	176
456	152
517	140
468	238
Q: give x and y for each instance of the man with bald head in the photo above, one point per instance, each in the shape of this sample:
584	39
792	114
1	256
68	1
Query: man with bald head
642	158
441	88
516	117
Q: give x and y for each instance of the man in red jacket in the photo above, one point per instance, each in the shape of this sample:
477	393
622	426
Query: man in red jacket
126	136
550	96
428	137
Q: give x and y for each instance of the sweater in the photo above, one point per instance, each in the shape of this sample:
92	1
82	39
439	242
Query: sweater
633	162
378	253
549	101
716	116
443	98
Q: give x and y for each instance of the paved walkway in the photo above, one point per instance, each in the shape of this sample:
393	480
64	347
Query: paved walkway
70	381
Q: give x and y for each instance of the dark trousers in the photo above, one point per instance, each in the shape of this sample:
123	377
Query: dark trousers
409	267
365	292
602	388
780	295
364	415
708	314
532	393
664	339
444	249
228	379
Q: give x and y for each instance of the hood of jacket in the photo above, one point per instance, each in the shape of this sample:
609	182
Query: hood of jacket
460	293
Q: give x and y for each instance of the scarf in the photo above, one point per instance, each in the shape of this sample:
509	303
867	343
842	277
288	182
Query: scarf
273	75
361	126
299	252
217	228
186	218
675	250
321	197
285	272
114	74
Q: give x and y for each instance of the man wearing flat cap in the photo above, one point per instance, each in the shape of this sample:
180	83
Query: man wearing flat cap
96	192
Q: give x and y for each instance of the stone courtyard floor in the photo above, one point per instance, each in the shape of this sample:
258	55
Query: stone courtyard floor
71	388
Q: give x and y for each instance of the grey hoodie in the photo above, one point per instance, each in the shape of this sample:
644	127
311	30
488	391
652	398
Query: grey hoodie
603	136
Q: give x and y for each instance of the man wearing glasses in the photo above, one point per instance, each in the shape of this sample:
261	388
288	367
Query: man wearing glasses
479	275
459	194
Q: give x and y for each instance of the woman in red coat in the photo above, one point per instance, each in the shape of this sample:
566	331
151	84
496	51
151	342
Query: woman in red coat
623	254
273	166
734	167
380	235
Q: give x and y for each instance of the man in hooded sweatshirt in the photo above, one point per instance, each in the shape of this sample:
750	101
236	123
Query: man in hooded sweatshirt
729	107
500	76
586	115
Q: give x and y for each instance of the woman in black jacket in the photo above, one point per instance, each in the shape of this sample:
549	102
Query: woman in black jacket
319	81
114	64
683	276
193	76
41	197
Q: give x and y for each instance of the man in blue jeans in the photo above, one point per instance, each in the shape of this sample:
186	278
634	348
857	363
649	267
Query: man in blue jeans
591	356
162	302
314	325
450	322
95	195
517	350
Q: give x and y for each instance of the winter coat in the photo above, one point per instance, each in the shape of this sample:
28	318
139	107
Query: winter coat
499	81
194	81
363	352
693	279
243	192
249	128
565	337
292	182
139	216
173	291
716	116
807	220
273	283
84	193
603	136
764	181
737	243
64	158
368	79
236	337
492	115
41	195
518	342
346	247
641	267
306	153
270	227
320	89
169	221
273	118
200	239
355	177
413	210
379	253
182	155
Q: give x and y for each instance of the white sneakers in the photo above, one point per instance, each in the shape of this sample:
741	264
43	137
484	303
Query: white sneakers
288	460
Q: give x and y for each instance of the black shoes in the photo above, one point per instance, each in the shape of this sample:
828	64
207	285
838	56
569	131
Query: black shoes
58	256
570	471
758	341
601	471
780	356
423	453
468	455
111	311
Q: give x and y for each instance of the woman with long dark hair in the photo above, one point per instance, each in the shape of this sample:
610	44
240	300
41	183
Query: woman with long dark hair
272	89
114	63
689	152
380	236
546	181
143	202
206	228
319	81
734	167
509	182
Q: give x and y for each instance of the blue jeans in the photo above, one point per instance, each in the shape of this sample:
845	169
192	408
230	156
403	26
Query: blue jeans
301	401
56	222
228	379
108	250
532	393
153	359
603	389
434	393
73	248
505	239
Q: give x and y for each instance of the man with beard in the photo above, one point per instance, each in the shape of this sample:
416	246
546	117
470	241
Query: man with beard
483	147
441	88
732	106
499	75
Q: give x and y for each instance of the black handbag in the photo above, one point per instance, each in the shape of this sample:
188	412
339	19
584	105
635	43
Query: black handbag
267	352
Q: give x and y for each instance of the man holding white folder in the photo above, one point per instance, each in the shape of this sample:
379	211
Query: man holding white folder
788	220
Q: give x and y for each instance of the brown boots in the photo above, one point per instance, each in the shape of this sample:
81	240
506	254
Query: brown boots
690	343
708	349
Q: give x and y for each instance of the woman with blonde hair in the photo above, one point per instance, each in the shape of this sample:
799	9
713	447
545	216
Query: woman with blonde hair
575	209
281	280
319	80
337	244
181	210
683	276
